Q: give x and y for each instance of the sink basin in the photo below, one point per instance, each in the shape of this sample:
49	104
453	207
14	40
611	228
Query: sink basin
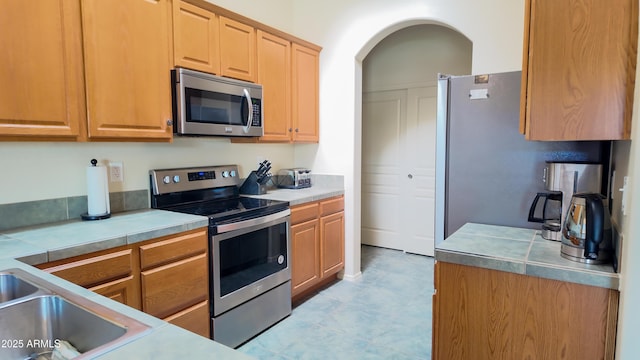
12	288
38	317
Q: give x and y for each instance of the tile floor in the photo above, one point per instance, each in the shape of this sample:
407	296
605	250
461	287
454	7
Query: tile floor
386	314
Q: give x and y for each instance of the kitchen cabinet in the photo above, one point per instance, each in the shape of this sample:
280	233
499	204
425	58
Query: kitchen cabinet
317	244
196	38
127	54
175	280
42	81
110	273
488	314
288	73
167	277
274	74
237	49
305	93
579	66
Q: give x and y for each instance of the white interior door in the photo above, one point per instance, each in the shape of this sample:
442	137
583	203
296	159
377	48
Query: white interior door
398	169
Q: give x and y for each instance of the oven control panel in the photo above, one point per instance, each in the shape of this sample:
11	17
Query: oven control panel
164	181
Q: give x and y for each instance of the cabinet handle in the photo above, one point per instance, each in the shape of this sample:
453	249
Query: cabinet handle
297	130
169	122
290	129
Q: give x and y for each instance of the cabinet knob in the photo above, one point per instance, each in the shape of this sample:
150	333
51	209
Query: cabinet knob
410	176
290	129
169	122
297	130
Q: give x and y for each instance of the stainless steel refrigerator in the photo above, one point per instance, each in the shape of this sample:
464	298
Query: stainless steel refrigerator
486	172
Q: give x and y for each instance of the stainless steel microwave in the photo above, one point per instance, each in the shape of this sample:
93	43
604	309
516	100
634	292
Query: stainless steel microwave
209	105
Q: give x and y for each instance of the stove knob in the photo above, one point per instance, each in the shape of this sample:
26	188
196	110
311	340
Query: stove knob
225	174
176	179
233	173
166	179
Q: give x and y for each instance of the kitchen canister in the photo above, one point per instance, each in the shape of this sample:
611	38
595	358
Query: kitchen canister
97	193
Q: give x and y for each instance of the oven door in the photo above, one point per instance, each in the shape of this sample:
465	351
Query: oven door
248	259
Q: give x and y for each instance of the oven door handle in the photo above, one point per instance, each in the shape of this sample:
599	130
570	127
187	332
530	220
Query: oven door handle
252	222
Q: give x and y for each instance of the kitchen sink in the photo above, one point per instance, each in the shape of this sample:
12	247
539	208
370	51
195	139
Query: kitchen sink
38	318
12	288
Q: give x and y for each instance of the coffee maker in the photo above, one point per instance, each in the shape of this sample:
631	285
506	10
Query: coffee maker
562	180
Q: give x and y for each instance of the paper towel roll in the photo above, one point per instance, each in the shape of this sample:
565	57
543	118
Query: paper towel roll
97	191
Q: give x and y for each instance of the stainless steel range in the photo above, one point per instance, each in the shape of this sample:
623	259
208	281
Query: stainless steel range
249	247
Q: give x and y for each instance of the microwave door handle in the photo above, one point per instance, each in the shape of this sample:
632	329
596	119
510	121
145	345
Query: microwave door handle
250	110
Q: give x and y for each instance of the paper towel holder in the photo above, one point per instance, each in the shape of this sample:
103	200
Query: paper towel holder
87	216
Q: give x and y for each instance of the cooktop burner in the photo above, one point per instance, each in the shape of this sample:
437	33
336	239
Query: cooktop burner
237	209
210	191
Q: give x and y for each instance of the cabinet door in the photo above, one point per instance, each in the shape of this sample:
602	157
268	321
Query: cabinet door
123	290
41	81
305	93
173	287
127	67
237	50
332	240
305	250
196	38
274	73
579	69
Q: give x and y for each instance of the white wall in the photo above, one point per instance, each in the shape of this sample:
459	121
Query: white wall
47	170
348	31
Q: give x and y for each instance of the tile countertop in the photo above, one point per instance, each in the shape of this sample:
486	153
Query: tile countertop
23	247
301	196
521	251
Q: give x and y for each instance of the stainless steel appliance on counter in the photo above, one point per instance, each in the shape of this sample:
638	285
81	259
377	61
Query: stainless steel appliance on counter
249	247
205	104
486	172
562	180
296	178
587	235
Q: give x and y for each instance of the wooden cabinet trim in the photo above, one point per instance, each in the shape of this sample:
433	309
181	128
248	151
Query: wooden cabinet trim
173	248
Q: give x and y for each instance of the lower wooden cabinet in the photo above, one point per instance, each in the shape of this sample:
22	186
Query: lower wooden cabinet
487	314
166	277
317	244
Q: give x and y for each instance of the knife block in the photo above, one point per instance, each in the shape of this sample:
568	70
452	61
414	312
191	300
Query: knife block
250	186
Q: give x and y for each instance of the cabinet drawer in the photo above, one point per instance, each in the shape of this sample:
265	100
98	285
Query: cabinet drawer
176	286
195	319
331	206
96	270
304	213
173	249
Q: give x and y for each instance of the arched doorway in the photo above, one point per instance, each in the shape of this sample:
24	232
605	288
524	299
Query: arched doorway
399	79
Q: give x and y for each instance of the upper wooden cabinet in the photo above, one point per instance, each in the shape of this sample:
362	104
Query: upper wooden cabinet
305	88
41	82
274	73
127	62
196	38
578	69
237	50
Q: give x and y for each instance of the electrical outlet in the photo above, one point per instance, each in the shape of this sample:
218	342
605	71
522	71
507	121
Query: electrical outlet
116	171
